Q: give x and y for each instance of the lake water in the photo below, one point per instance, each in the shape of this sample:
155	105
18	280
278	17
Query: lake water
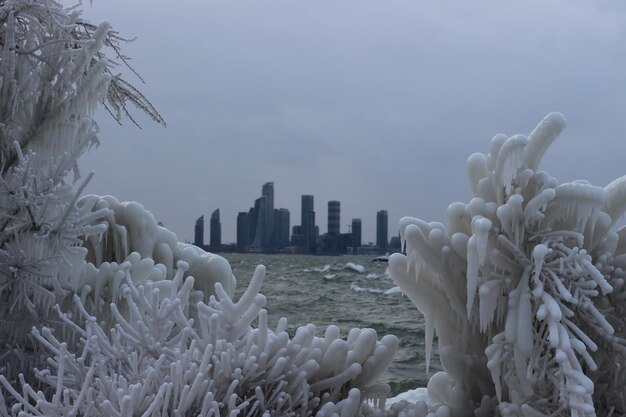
321	290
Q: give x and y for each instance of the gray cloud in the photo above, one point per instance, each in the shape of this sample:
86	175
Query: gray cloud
377	104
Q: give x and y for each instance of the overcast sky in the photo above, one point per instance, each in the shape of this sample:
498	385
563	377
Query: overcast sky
377	104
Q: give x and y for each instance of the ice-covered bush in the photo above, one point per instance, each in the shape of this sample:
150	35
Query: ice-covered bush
54	74
524	286
156	361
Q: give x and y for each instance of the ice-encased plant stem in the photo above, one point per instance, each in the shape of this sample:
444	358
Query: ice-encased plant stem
524	286
156	361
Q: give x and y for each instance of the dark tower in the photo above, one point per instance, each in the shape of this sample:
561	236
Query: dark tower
243	231
308	223
334	208
198	235
356	233
382	230
216	231
281	228
265	218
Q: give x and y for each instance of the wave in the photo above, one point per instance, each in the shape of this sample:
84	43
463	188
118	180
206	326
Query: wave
355	267
326	268
394	290
354	287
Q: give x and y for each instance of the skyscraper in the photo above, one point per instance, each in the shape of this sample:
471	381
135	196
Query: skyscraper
382	230
265	219
216	231
308	223
243	231
356	233
198	235
334	208
281	228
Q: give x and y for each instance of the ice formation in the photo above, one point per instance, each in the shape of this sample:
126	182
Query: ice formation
524	287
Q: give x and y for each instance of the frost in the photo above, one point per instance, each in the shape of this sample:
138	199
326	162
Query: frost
545	336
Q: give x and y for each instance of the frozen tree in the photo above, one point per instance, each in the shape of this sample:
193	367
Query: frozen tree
54	74
524	287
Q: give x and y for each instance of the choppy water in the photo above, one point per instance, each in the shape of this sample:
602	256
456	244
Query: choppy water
322	291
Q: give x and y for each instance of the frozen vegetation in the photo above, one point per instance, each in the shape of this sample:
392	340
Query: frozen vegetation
104	313
524	287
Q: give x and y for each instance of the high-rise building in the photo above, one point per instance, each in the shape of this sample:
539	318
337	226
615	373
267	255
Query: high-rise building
382	230
334	208
308	224
281	228
253	217
356	233
216	231
297	238
265	219
243	231
198	234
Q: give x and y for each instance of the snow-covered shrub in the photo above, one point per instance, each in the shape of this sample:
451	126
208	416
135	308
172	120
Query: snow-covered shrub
131	228
524	286
41	232
156	361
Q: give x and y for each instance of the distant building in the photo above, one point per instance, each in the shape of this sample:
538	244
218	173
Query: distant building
253	217
382	230
356	233
281	228
216	231
198	235
334	209
265	219
297	238
308	224
243	231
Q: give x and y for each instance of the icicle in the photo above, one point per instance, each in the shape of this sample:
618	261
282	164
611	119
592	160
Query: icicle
488	296
532	213
473	265
509	161
542	137
615	204
496	143
477	169
480	228
524	338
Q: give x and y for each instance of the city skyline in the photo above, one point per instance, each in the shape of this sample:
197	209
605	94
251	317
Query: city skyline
342	222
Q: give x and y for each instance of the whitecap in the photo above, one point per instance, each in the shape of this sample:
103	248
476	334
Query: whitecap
326	268
394	290
355	267
354	287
